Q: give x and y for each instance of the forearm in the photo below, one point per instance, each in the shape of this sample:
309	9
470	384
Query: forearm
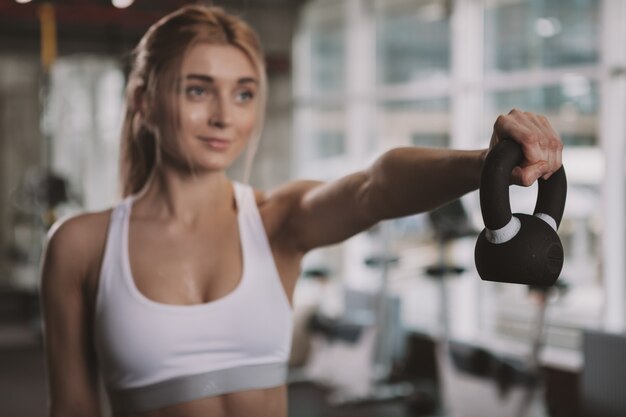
406	181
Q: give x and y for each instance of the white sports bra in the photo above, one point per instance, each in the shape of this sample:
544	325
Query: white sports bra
153	355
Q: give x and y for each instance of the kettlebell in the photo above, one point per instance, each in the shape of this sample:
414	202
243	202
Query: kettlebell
518	248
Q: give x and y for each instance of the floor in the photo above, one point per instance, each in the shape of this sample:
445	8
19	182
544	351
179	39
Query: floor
22	382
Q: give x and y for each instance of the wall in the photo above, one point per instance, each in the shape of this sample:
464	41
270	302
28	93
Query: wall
20	140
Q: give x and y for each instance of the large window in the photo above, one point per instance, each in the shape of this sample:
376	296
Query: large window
413	41
414	123
328	55
527	34
544	56
327	134
438	73
413	73
320	59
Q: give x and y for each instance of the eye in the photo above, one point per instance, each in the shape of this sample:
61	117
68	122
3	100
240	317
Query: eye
195	91
244	96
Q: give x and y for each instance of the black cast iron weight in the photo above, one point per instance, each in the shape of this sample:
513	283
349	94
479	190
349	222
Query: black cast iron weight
519	248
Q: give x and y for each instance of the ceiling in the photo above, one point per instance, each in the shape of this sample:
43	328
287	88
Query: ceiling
97	26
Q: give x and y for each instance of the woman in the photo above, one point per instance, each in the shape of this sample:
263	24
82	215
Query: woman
180	296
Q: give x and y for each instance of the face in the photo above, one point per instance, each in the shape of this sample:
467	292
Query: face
218	106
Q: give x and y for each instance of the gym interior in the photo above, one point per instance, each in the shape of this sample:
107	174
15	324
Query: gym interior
395	321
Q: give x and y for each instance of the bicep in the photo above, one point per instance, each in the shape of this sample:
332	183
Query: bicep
70	362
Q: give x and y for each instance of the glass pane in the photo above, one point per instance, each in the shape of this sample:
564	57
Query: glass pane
413	42
416	123
571	107
327	134
328	57
329	143
541	34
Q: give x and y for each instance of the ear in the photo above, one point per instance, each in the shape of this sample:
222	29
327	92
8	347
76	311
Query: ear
140	102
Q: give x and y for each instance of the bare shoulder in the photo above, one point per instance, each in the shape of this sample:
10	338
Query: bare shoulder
79	230
74	242
277	204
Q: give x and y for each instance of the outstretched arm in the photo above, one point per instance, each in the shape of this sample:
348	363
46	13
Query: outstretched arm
405	181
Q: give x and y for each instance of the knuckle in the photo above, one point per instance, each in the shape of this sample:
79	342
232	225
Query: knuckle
500	121
554	144
559	145
530	138
526	180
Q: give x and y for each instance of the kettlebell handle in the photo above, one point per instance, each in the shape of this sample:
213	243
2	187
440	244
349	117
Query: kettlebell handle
494	187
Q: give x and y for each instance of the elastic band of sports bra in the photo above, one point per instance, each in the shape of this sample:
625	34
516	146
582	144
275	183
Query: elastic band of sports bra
193	387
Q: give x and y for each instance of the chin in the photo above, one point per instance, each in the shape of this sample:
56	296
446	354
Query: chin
211	165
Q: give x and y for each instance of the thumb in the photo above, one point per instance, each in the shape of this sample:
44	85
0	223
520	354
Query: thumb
527	175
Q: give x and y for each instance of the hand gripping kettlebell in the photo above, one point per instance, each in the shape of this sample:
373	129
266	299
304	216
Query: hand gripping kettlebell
518	248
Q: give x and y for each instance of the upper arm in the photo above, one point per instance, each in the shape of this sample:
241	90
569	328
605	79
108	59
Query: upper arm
70	360
320	214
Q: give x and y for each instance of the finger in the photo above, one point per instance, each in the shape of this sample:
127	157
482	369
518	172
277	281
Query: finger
551	153
549	144
558	160
534	120
545	123
516	176
527	175
555	141
558	151
516	113
529	120
509	127
547	137
494	139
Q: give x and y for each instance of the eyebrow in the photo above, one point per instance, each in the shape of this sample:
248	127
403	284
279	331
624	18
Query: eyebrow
209	79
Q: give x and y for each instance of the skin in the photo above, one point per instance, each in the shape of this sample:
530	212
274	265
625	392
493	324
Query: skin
186	219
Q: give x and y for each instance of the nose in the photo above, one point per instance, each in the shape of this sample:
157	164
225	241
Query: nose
216	122
219	115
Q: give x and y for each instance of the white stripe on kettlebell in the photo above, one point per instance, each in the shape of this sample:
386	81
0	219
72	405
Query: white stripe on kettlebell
548	219
505	233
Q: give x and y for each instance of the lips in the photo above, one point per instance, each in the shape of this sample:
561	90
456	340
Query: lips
215	143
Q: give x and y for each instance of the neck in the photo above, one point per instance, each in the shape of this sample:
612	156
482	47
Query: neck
172	195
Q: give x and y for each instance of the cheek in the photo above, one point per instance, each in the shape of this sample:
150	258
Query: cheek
247	120
191	116
178	143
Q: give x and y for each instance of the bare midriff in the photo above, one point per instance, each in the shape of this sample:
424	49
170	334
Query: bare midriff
271	402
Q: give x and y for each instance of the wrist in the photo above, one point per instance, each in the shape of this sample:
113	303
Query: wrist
480	163
483	157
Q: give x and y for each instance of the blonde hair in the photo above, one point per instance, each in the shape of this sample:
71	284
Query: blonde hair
154	76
